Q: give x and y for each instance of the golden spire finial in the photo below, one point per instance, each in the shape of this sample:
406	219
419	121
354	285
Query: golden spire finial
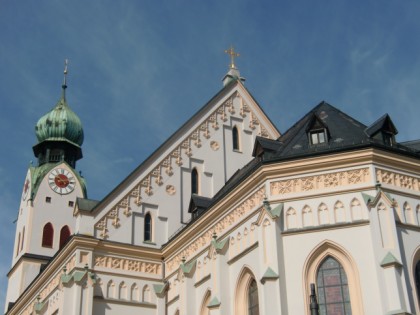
66	62
231	52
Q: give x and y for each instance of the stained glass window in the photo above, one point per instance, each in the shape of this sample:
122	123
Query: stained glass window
333	289
253	308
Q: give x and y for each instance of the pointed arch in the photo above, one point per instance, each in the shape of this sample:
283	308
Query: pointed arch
48	235
291	220
122	291
134	293
176	312
307	217
110	289
356	210
339	212
246	296
64	235
315	261
204	310
235	139
148	224
408	214
323	214
146	294
415	278
195	182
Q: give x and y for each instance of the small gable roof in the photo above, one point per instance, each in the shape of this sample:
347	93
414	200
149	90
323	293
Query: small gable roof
198	203
384	123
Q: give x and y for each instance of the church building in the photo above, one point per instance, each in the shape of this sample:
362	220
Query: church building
227	216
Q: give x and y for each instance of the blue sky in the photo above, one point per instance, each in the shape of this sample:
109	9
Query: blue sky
139	69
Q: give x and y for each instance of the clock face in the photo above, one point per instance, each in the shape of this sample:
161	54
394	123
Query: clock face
61	181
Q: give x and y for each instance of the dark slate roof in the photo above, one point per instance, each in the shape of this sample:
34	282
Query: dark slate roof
84	204
198	203
342	130
414	145
383	123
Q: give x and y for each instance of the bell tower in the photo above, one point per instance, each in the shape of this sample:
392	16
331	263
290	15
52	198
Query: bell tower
45	219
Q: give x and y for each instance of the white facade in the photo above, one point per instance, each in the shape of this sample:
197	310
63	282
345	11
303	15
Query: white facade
267	229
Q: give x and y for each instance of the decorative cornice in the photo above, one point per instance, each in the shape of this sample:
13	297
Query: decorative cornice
118	263
165	167
322	181
397	179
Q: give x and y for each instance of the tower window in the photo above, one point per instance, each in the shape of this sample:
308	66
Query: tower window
194	181
253	308
148	227
71	203
23	238
48	235
318	136
48	199
64	235
235	139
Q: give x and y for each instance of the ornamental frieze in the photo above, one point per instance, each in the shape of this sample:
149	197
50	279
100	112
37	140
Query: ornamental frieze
322	181
174	158
220	227
398	179
125	264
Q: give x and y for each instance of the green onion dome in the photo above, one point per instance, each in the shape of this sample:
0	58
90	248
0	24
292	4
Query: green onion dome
61	123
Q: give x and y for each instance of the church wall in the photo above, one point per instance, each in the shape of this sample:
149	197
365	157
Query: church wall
207	146
356	243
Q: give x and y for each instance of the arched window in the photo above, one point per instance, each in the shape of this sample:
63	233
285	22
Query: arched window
194	181
64	235
333	289
148	227
18	244
235	138
246	299
204	309
417	280
48	235
23	238
253	308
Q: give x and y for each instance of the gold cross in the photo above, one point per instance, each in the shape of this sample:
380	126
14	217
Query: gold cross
231	52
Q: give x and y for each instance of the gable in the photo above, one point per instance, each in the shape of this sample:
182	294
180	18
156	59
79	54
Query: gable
200	140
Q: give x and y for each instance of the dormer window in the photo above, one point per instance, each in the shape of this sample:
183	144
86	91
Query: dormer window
318	136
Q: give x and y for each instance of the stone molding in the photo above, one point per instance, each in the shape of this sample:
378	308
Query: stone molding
118	263
397	179
322	181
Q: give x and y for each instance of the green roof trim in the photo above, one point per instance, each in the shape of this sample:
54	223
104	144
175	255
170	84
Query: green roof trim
219	245
276	212
390	260
186	268
269	274
214	303
160	288
39	306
